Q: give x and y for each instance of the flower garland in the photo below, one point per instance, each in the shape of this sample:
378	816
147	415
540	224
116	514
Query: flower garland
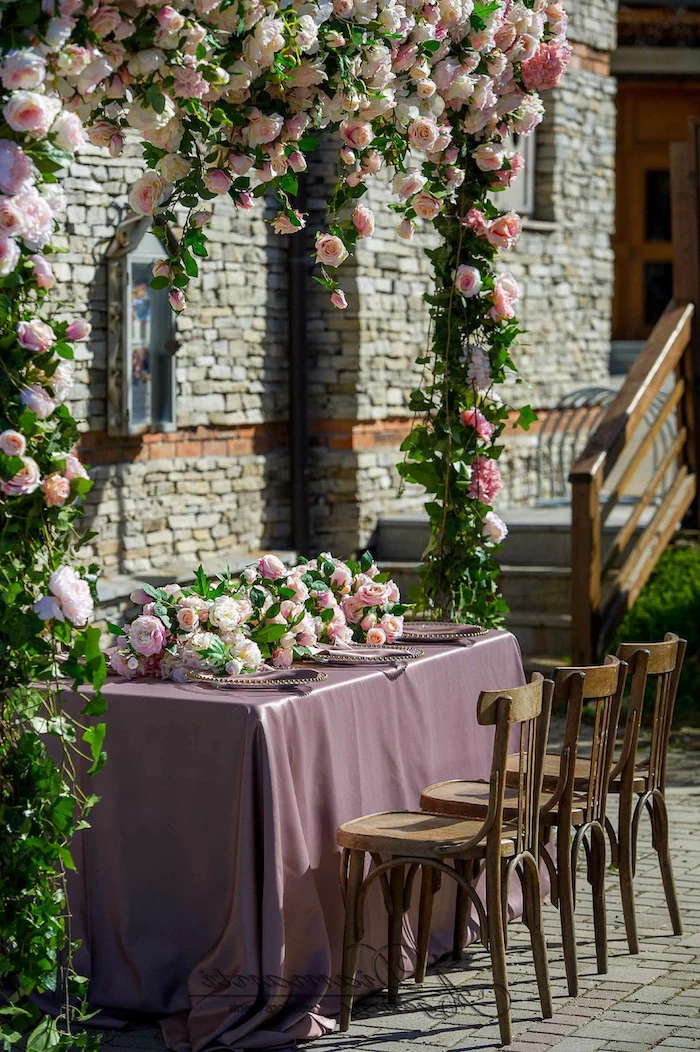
228	97
268	615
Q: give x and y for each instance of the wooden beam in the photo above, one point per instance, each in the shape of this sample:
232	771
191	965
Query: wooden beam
585	570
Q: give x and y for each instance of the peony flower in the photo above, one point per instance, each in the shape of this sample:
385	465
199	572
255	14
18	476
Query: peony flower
147	193
35	336
486	480
494	528
12	443
476	419
363	221
9	255
38	401
43	274
16	172
48	608
25	481
228	613
23	68
330	250
56	489
147	635
30	113
234	667
467	280
249	653
271	568
504	231
73	594
62	380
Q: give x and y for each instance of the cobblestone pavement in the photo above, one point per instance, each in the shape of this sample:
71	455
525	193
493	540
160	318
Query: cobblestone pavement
651	1001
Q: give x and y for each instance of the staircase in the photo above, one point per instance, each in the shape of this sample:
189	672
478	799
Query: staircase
536	572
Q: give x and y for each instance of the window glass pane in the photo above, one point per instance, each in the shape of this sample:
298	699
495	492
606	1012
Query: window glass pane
658	289
658	206
151	361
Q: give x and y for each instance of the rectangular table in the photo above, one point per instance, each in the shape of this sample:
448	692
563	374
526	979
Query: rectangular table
208	887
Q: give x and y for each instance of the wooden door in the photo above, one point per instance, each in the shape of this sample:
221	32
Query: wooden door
650	116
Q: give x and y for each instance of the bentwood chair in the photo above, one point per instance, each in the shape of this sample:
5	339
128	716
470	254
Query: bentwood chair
400	843
641	784
563	805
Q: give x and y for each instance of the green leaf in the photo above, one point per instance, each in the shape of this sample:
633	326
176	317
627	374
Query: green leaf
94	737
64	350
527	416
44	1036
160	282
268	633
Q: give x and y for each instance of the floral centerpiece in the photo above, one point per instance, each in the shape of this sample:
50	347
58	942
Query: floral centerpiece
268	615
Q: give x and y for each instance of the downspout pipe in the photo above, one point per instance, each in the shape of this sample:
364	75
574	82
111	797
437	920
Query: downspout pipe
297	295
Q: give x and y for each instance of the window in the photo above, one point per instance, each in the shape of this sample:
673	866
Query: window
141	336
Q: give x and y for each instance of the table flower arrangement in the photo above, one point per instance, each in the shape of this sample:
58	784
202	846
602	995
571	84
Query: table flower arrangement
268	615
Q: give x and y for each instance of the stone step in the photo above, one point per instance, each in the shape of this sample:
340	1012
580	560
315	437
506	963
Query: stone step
541	633
544	588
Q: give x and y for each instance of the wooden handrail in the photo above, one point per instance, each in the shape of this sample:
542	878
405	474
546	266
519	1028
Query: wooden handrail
660	355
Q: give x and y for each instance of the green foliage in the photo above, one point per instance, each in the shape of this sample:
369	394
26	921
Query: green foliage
670	602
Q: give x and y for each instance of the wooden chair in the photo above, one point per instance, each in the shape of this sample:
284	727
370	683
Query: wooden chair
401	843
659	664
564	804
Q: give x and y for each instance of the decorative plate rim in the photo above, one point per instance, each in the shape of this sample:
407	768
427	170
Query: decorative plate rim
467	632
388	652
259	682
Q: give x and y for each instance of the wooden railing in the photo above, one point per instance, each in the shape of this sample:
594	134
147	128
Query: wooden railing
666	376
604	587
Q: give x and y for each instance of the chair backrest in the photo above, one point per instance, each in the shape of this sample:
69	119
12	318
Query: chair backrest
658	664
530	707
602	686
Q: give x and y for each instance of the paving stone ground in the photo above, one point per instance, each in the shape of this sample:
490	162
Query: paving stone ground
649	1001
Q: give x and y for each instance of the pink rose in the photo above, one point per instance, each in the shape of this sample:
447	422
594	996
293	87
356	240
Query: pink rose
337	630
140	597
297	161
147	193
338	299
35	336
423	134
284	225
547	66
376	637
170	20
489	158
356	133
363	221
187	619
468	280
271	568
11	221
73	469
494	528
12	443
353	608
104	20
15	167
23	68
347	155
405	229
504	296
9	255
504	231
282	658
330	250
36	217
43	274
476	419
73	593
176	299
301	592
217	181
369	592
392	626
31	113
189	83
341	578
38	401
147	635
200	219
486	480
25	481
426	207
476	221
56	490
121	663
263	128
367	622
68	129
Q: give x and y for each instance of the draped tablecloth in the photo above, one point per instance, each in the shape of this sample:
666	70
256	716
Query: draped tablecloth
208	888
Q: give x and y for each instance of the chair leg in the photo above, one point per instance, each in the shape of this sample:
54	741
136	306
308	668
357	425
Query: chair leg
425	916
565	891
395	929
350	937
625	863
497	947
533	897
597	879
660	820
461	915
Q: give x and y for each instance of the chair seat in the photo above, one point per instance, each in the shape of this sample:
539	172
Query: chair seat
582	774
417	834
470	800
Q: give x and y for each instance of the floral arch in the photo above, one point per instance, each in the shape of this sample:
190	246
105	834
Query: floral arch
227	97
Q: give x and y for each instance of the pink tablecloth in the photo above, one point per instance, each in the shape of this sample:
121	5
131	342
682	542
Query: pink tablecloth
208	889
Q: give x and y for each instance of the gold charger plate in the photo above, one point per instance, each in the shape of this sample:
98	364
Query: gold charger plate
367	655
269	680
439	631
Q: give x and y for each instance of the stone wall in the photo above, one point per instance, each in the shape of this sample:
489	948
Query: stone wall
219	483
